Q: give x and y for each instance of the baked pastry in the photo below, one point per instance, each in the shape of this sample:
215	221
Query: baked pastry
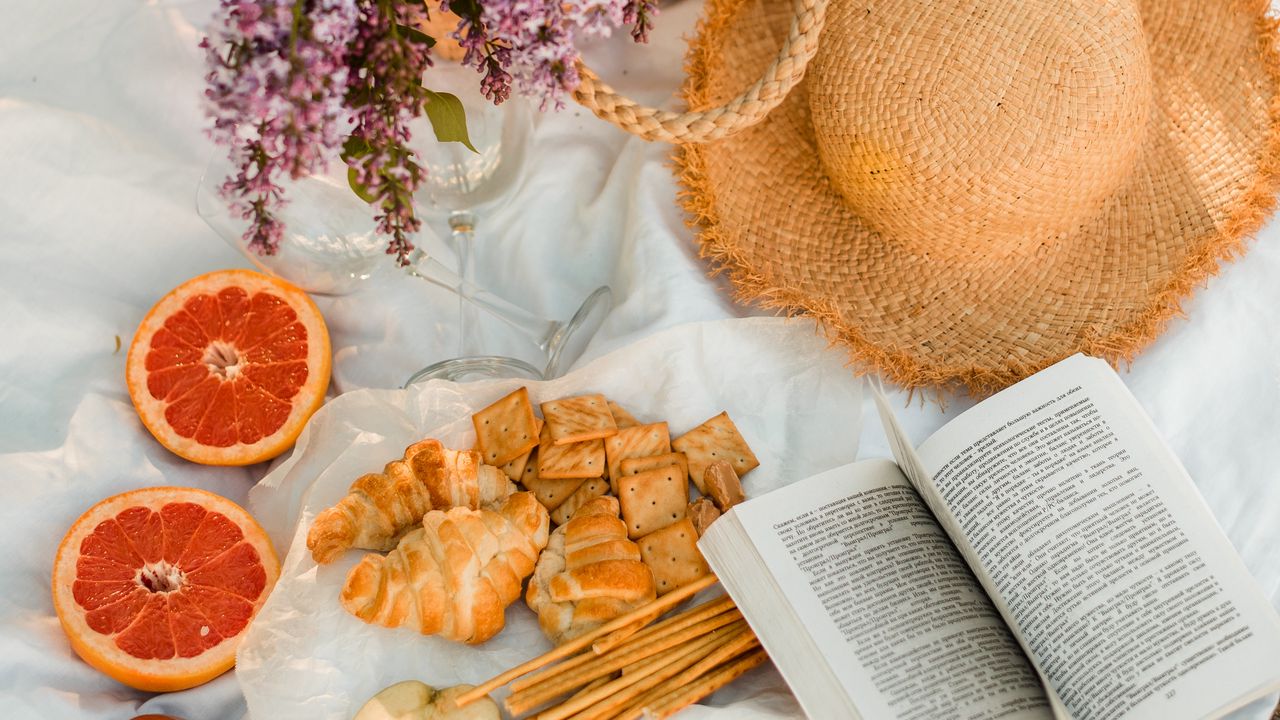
589	574
380	507
455	575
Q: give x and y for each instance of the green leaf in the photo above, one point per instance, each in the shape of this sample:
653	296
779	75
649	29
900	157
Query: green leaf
416	35
354	147
358	187
448	118
465	8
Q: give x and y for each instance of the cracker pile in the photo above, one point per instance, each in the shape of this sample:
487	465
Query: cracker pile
588	446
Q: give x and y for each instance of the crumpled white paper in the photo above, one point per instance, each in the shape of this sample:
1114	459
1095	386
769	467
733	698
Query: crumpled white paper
305	657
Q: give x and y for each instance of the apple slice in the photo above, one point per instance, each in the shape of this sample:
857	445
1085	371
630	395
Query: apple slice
413	700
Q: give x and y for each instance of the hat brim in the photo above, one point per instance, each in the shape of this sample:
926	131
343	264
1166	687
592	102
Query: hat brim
1205	181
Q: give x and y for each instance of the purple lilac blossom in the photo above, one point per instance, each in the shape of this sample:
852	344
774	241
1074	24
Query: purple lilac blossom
385	95
275	95
531	43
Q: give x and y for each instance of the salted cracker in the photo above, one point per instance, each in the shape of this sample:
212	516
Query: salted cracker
715	439
672	556
506	429
621	417
635	466
578	419
653	500
550	492
580	460
587	491
515	468
635	442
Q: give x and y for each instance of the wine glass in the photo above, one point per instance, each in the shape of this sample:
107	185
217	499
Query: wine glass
330	247
460	182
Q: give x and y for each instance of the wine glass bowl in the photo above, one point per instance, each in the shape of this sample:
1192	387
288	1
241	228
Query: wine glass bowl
459	179
329	245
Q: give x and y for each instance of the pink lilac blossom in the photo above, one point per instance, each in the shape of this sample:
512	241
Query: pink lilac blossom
277	76
531	43
386	94
639	14
287	76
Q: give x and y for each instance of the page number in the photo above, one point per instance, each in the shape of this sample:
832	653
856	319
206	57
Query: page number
1169	695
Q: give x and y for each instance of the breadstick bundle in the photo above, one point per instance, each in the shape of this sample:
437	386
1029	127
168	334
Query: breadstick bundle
632	667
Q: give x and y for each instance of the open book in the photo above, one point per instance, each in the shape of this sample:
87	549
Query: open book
1044	555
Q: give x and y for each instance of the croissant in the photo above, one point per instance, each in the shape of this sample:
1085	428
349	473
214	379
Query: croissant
380	507
455	575
589	574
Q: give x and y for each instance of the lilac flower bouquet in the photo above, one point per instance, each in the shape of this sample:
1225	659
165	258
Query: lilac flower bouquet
294	84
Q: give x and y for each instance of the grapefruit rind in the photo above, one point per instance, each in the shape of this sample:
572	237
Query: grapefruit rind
308	399
99	650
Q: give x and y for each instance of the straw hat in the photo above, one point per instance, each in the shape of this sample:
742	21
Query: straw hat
966	191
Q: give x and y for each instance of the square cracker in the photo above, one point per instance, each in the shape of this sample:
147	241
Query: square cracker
635	442
587	491
581	460
715	439
506	429
551	493
672	555
578	419
515	468
621	417
635	466
653	500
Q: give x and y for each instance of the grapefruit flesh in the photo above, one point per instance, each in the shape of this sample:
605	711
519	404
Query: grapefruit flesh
155	587
227	368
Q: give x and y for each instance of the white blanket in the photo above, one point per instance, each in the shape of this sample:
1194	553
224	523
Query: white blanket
100	137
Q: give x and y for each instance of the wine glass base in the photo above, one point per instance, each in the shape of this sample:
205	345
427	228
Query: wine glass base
478	367
571	339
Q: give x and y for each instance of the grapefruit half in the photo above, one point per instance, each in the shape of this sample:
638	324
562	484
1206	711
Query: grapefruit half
228	367
155	587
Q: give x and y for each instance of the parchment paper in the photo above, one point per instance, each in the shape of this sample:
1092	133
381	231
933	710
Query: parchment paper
305	657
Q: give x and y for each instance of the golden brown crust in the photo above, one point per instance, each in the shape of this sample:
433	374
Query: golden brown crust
455	575
380	507
589	573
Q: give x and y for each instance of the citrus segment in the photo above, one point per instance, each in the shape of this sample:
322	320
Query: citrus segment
227	368
155	587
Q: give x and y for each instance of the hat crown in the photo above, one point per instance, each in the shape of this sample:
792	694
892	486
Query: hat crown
979	126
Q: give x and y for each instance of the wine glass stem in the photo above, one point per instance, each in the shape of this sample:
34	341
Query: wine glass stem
537	329
462	225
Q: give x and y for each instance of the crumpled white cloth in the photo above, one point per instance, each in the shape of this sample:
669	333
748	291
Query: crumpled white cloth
100	136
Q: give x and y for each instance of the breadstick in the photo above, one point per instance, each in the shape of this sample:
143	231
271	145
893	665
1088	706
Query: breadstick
737	646
679	622
557	684
585	689
677	657
688	617
728	645
593	685
703	687
652	611
588	657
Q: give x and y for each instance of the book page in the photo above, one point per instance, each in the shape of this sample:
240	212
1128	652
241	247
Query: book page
1100	552
887	599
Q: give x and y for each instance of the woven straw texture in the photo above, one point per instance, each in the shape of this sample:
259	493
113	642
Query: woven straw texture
998	185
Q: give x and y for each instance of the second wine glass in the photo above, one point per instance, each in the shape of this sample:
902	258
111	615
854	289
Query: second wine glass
462	183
